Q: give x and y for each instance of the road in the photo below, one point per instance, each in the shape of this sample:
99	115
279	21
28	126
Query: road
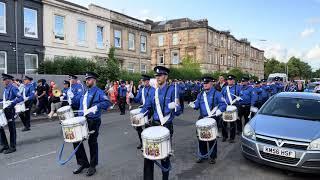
36	154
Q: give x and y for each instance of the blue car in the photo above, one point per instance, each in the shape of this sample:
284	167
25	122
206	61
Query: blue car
285	133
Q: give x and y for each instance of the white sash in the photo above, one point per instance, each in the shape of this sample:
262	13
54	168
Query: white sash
69	93
163	120
4	100
24	94
84	103
210	113
143	97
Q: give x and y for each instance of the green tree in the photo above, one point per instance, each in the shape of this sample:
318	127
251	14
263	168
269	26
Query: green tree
299	69
189	69
273	66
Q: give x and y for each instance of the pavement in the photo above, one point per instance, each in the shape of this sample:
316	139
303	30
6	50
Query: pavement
119	159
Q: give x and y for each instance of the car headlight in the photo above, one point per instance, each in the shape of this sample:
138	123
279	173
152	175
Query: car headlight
314	145
249	132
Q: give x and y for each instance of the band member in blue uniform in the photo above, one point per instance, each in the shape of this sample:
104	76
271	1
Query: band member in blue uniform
256	100
233	95
265	90
122	95
10	98
182	91
28	95
91	106
143	96
74	93
168	108
244	103
216	106
64	97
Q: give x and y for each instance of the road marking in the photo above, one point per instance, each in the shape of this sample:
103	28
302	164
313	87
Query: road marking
34	157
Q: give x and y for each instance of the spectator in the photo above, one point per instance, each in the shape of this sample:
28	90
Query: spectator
42	97
55	100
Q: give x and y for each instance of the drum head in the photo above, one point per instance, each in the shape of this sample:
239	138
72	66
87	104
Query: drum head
135	111
155	132
205	122
64	108
231	108
75	120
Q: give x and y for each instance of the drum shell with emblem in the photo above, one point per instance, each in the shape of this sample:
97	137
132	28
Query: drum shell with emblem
137	122
20	107
65	112
75	129
156	142
231	114
3	119
207	129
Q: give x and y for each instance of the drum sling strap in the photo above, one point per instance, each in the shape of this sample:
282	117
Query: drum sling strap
210	113
159	108
59	158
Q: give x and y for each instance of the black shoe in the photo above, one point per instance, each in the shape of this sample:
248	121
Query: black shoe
121	113
231	141
212	161
25	129
80	169
140	146
224	139
91	171
3	149
200	160
10	150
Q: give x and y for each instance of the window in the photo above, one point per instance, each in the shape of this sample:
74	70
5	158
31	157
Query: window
175	58
99	36
222	59
229	43
59	27
81	32
143	69
30	23
210	58
161	58
161	40
143	44
3	18
175	39
131	67
229	60
3	62
117	38
216	58
222	42
31	63
131	41
216	42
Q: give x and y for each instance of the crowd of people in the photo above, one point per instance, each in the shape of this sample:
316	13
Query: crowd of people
160	102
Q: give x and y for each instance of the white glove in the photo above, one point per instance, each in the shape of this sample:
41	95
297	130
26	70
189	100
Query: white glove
192	105
172	105
6	104
139	116
238	98
131	95
218	112
61	98
90	110
253	109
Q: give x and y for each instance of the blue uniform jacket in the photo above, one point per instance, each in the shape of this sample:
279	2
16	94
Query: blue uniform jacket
11	93
265	92
214	98
64	93
182	88
99	99
77	94
245	94
29	92
147	92
164	100
122	91
256	96
235	89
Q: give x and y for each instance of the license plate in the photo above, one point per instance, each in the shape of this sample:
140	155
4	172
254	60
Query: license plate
279	152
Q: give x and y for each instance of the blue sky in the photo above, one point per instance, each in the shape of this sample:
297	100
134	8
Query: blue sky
291	27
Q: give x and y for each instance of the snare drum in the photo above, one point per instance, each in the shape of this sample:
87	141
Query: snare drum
3	119
75	129
65	112
231	114
156	142
206	129
20	108
137	122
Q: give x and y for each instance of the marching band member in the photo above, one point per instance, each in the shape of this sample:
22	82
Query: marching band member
28	97
265	90
244	103
10	98
142	96
256	100
122	96
92	103
164	102
230	93
211	104
74	93
64	97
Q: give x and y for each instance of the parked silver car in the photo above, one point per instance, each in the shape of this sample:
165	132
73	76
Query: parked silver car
285	133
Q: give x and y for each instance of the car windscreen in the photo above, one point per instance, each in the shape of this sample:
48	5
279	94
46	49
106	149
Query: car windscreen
308	109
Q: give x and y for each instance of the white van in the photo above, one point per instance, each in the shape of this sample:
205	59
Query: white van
282	76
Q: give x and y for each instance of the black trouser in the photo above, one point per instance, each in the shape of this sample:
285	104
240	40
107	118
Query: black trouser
139	131
122	104
244	111
43	104
181	101
9	113
225	133
25	116
149	164
205	146
81	156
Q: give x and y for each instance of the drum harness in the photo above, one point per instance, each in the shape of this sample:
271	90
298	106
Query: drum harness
209	151
59	158
230	99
